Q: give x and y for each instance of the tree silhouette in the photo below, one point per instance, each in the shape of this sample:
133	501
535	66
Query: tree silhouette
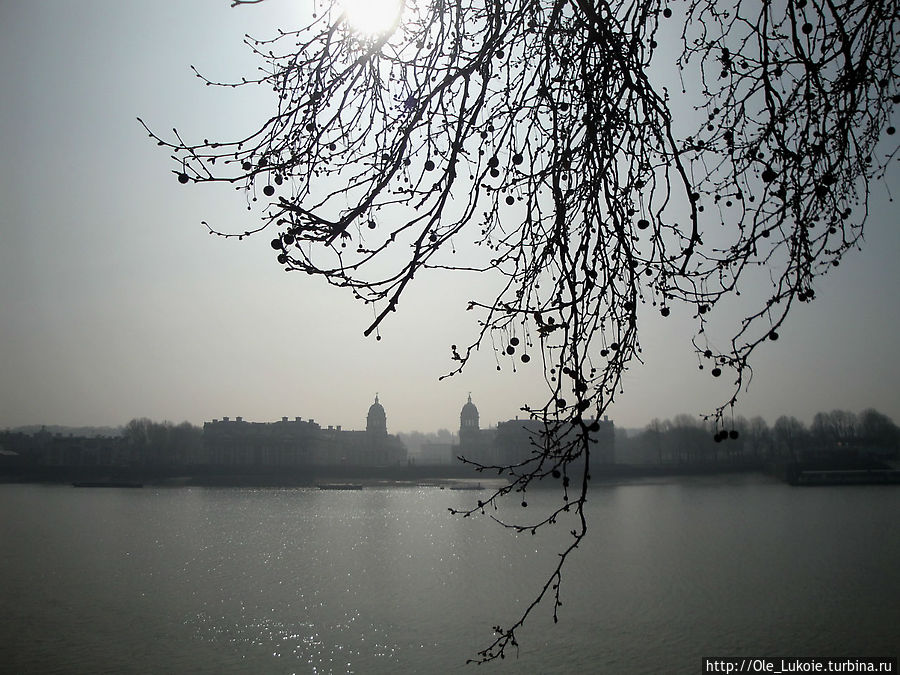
545	133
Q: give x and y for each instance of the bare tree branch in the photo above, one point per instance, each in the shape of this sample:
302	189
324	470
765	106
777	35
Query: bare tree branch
538	130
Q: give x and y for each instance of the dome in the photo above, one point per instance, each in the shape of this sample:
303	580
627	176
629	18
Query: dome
469	408
376	420
376	409
468	416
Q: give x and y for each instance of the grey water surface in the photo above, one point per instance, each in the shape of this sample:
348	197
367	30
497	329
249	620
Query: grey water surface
385	580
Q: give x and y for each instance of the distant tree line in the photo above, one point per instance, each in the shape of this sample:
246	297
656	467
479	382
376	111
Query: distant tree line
141	443
162	443
686	439
58	429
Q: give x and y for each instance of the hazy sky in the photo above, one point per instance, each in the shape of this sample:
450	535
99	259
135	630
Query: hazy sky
115	303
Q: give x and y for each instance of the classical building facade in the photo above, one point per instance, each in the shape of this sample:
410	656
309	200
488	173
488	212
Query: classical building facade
300	442
516	440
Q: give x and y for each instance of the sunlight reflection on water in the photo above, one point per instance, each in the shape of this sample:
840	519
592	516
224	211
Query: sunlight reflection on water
384	580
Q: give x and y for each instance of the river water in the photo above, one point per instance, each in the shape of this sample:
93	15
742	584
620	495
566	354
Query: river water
385	580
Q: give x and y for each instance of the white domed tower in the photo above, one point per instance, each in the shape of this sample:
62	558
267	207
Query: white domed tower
468	423
376	421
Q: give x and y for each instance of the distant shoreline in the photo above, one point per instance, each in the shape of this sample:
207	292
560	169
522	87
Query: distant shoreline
817	473
437	475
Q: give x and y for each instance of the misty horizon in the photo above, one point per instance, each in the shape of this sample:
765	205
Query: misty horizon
452	429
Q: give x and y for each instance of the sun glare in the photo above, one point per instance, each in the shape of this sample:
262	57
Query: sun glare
372	17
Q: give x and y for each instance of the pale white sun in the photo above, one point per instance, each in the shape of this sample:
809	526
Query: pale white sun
372	17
